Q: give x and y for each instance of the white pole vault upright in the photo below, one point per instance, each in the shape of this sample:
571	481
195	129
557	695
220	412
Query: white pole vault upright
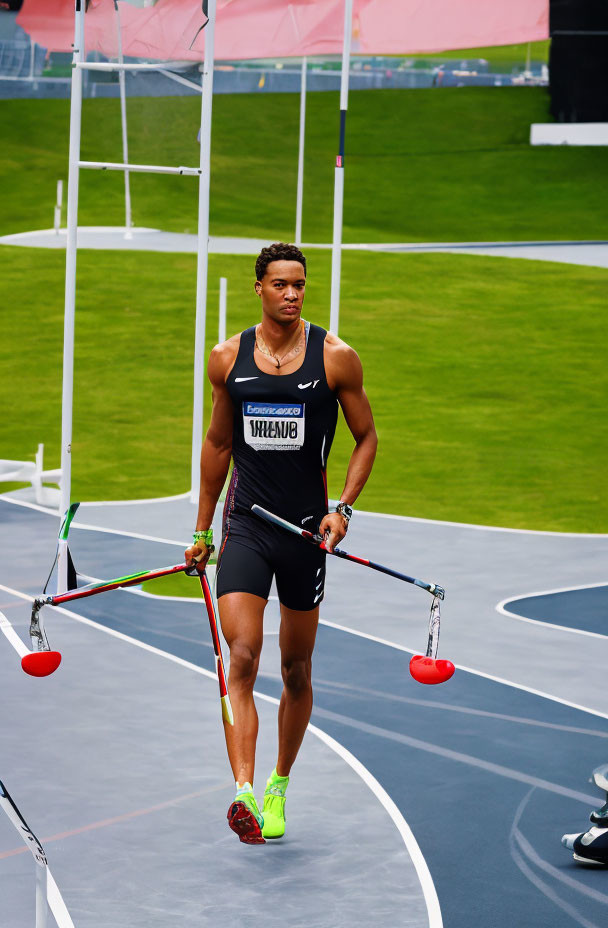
70	285
123	118
202	262
336	251
79	65
298	239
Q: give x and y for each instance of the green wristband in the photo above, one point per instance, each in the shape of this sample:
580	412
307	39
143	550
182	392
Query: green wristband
206	537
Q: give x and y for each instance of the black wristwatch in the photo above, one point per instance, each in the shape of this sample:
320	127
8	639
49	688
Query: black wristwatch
345	511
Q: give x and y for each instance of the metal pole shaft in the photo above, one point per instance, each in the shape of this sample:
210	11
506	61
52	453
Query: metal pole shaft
301	154
336	251
202	264
123	118
70	280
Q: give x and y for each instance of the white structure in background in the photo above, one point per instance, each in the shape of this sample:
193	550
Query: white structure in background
569	133
123	121
202	260
300	188
33	472
336	249
75	165
203	172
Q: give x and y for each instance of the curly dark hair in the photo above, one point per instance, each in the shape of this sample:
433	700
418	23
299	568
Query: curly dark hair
280	251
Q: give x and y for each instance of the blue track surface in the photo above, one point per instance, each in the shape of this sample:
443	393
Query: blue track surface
488	776
583	609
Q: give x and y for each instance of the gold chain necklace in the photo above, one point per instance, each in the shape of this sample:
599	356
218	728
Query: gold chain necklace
265	350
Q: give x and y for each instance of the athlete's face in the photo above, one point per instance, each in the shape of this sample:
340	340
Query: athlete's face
282	291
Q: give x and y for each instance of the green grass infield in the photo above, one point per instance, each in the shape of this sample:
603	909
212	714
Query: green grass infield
487	377
436	165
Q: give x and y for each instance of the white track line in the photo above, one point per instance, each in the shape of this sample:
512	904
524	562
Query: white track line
359	512
420	865
384	641
482	528
501	608
12	636
477	673
138	502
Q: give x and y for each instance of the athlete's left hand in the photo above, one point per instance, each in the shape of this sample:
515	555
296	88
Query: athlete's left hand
333	528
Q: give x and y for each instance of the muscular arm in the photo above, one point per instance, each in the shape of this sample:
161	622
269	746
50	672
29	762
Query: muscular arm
345	376
217	446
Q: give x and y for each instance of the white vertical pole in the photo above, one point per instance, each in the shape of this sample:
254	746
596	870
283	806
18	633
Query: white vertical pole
70	285
221	333
41	896
336	251
298	239
202	263
123	117
59	200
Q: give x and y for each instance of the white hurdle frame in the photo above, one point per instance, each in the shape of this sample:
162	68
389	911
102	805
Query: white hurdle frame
79	65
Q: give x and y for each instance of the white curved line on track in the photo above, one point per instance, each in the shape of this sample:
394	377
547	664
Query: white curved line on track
87	527
477	673
501	607
346	628
137	502
525	850
359	512
420	865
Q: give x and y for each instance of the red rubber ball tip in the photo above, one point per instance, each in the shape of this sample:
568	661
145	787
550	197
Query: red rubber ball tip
41	663
429	671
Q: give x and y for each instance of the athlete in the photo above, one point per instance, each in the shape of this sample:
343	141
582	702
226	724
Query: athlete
276	391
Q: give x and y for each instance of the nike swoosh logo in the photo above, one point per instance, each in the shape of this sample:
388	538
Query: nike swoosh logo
242	379
304	386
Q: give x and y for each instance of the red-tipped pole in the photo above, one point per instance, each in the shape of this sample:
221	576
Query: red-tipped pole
41	663
426	668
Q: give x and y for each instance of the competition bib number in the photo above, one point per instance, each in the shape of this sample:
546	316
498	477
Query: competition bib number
273	426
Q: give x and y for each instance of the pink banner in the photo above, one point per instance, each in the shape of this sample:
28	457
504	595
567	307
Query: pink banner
280	29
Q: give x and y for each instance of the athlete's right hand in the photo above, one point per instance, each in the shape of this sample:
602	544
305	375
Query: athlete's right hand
198	556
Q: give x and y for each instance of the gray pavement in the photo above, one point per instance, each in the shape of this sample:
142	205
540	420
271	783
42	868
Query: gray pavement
479	567
117	762
134	786
143	239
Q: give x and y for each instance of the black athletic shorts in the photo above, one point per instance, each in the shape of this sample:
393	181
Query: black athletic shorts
253	551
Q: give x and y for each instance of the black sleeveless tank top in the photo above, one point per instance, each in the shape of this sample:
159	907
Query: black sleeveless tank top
283	430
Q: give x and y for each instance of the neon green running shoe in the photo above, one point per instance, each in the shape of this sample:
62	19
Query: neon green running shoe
245	818
274	806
